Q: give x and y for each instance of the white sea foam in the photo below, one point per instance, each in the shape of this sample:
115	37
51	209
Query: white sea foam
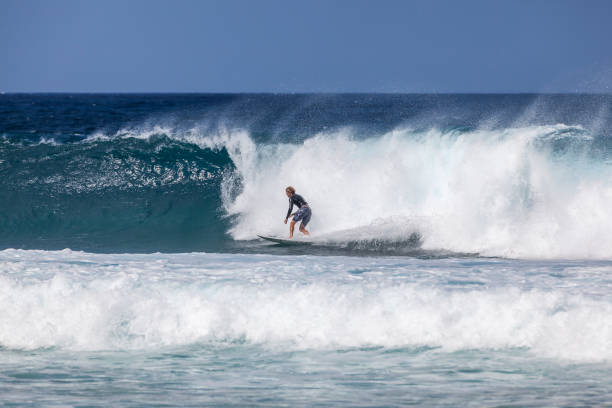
501	193
83	301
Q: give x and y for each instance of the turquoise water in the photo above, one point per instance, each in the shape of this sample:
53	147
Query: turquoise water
249	375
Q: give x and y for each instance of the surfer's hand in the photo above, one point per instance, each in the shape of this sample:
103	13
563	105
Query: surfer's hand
285	220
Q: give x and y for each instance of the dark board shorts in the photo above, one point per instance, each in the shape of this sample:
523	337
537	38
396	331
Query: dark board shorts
303	214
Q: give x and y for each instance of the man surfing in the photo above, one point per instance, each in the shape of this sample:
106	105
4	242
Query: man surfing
302	214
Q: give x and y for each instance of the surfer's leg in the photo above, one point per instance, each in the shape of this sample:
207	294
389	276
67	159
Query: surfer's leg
305	220
303	229
298	216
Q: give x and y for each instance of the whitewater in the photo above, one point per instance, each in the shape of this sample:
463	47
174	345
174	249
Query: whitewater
350	325
461	250
496	193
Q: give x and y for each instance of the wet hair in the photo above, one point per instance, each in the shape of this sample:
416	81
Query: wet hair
290	189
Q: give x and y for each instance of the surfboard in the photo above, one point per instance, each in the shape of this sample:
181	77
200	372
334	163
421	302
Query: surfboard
283	241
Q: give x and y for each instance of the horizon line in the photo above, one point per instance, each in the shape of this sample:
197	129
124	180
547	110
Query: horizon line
295	93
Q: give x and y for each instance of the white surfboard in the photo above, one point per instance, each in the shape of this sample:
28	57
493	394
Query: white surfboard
285	241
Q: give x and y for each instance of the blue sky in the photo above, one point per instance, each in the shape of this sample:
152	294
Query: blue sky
305	46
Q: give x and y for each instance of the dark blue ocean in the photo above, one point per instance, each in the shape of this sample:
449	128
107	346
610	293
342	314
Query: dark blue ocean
460	250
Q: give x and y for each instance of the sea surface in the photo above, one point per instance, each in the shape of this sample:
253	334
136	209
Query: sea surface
461	250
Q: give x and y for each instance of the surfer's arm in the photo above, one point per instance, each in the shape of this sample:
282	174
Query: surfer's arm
289	211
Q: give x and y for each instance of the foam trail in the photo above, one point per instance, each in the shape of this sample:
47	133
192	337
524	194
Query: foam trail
506	192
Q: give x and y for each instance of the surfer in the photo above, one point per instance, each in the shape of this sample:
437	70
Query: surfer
302	214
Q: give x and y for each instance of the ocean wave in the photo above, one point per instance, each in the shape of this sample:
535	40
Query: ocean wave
528	192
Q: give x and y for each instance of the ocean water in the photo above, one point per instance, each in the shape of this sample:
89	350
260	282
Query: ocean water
461	250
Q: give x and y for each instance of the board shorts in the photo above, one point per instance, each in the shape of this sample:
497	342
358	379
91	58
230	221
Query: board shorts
303	214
